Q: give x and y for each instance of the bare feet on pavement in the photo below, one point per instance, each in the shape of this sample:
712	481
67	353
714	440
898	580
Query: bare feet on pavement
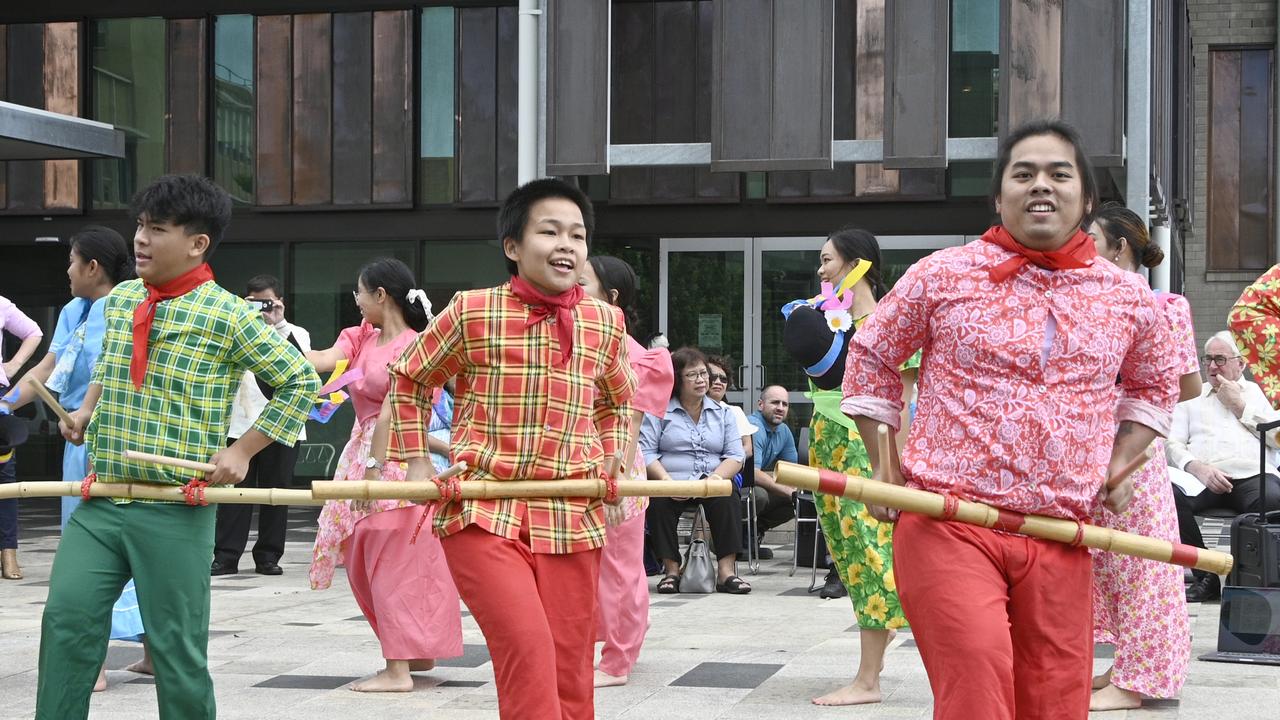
604	679
1114	698
851	694
101	684
395	678
421	665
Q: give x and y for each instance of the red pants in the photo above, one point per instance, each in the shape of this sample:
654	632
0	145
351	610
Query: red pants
537	613
1003	622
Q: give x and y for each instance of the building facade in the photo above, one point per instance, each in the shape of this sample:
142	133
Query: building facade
347	129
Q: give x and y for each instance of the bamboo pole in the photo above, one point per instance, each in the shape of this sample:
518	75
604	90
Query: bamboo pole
152	491
1065	531
493	489
51	401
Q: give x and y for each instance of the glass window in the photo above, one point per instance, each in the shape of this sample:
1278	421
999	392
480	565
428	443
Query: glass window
234	264
974	87
233	119
436	161
127	68
642	255
449	266
1241	126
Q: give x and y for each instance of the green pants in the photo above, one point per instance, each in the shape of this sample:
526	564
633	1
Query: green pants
166	549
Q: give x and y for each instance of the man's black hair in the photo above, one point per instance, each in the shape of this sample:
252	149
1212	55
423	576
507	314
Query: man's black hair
1033	128
191	201
264	282
514	214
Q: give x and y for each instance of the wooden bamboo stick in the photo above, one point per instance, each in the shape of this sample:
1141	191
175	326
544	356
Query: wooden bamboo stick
1064	531
153	491
50	400
493	489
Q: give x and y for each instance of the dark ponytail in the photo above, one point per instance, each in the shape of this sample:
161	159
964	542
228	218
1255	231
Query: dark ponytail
615	274
1118	221
854	244
95	242
396	279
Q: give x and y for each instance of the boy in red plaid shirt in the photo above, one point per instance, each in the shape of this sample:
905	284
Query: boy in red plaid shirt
543	385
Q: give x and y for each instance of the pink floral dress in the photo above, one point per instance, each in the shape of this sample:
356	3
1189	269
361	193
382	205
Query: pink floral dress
338	519
1138	604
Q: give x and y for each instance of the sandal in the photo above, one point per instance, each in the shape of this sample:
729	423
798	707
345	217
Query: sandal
669	585
733	585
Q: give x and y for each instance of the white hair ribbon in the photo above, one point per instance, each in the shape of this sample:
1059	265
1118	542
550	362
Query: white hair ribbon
420	296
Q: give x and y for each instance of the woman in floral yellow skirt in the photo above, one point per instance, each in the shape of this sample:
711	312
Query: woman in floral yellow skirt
861	547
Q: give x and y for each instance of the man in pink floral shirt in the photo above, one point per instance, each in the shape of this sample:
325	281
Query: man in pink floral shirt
1024	336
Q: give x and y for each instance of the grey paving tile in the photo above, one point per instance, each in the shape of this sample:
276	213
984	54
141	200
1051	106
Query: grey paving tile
306	682
746	676
463	683
473	656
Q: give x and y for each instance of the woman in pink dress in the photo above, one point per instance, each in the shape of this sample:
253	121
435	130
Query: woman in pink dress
405	591
623	589
1138	604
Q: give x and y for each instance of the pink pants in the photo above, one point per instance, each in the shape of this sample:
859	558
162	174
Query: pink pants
404	590
623	614
1003	622
537	613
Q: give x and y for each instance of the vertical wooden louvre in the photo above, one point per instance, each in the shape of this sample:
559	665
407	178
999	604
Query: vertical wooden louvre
186	123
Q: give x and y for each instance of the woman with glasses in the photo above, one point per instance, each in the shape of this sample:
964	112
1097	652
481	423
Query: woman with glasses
1138	604
695	438
405	591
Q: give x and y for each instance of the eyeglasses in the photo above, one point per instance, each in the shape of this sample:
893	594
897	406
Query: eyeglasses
718	379
1219	360
696	375
355	295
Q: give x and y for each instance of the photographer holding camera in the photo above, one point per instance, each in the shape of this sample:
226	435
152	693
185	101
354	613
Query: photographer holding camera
271	468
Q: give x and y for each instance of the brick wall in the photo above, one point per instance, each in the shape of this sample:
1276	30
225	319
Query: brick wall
1215	22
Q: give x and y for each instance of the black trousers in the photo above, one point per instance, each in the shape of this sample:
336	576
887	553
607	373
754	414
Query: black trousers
724	515
271	468
1245	497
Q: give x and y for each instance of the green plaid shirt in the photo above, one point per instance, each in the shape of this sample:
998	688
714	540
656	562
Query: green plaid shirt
200	345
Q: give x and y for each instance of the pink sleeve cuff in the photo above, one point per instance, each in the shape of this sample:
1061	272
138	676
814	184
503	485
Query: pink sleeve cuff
885	411
1144	413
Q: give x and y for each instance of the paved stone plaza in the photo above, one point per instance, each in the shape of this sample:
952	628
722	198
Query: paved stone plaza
280	650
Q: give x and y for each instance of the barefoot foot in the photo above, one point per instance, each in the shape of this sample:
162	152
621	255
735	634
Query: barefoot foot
1114	698
604	679
1103	680
851	694
101	684
142	667
421	665
385	681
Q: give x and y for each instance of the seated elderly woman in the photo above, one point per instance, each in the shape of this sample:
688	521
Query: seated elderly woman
696	438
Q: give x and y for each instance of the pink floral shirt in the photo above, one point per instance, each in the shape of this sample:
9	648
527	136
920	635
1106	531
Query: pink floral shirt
1017	390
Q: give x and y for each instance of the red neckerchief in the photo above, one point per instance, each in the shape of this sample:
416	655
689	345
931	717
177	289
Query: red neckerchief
1077	253
145	314
541	305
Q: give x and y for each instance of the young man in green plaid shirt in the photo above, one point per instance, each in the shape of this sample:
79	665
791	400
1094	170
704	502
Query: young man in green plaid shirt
175	348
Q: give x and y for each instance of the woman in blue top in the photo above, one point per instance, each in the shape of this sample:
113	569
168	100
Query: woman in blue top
98	261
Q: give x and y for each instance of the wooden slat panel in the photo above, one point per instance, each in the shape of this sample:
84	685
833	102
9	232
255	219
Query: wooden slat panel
273	155
1093	66
312	109
508	119
917	51
708	185
352	108
577	141
1256	125
26	87
477	115
802	57
1224	160
871	178
742	96
186	132
4	95
674	109
838	181
1030	61
633	94
393	98
62	95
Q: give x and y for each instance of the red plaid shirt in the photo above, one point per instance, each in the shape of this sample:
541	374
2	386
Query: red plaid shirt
517	416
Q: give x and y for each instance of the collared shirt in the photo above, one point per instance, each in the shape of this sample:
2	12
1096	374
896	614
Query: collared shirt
200	345
772	443
687	449
1255	321
76	344
1205	430
249	400
16	323
1017	392
519	416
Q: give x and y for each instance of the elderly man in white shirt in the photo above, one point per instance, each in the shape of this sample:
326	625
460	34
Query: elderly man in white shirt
1214	441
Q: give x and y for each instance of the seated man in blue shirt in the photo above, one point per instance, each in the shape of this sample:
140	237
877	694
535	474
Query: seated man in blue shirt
773	442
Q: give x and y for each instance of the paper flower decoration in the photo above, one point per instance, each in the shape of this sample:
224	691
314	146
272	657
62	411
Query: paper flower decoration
839	320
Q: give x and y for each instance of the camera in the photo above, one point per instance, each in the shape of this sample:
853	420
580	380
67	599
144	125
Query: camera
262	305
